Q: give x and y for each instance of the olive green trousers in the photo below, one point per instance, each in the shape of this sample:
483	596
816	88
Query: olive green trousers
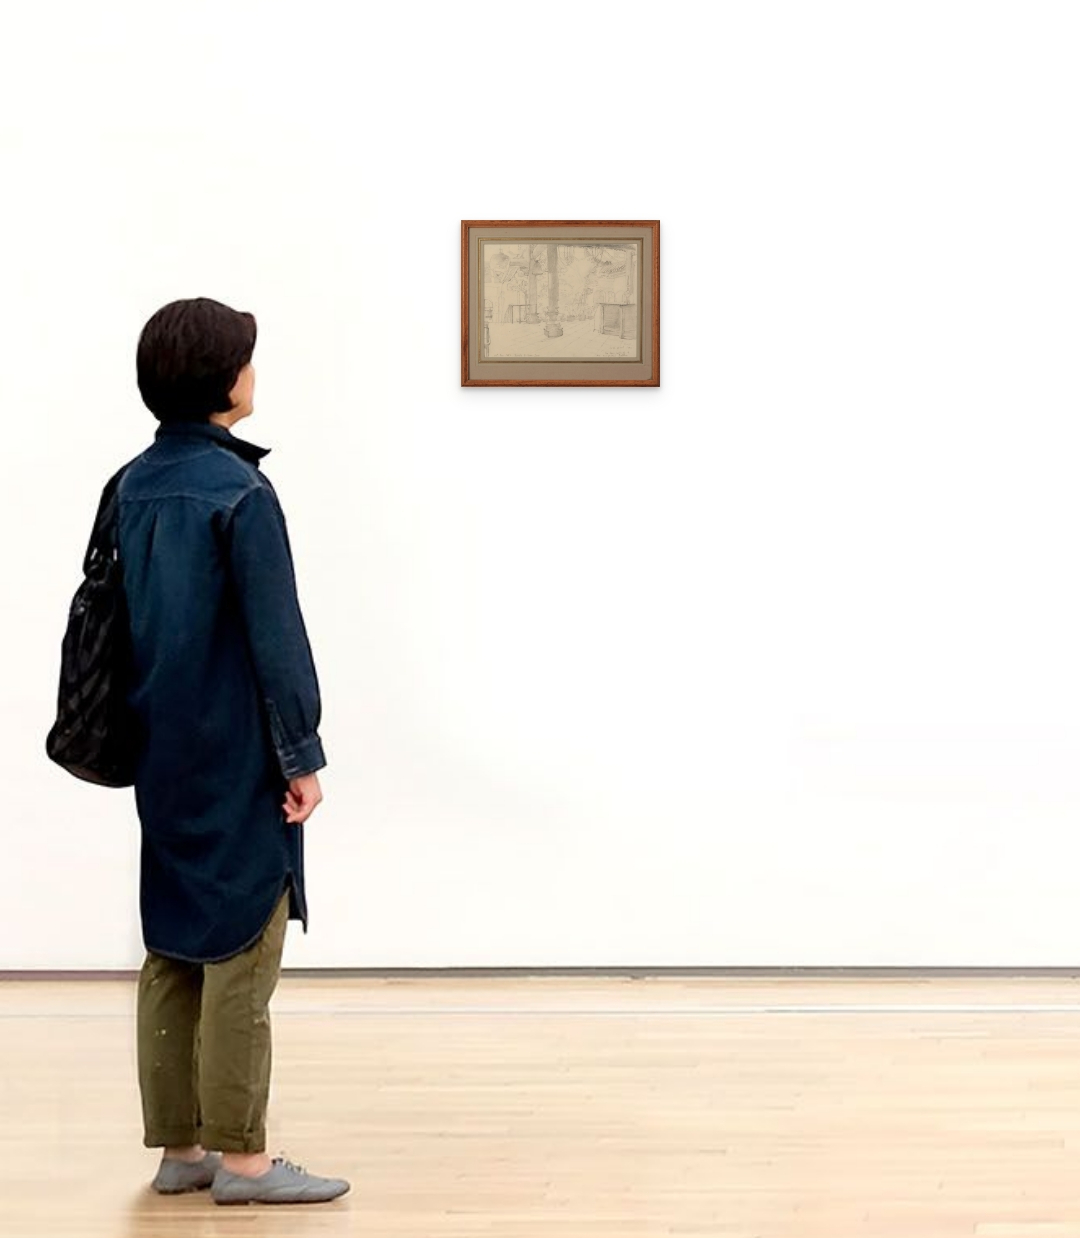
204	1045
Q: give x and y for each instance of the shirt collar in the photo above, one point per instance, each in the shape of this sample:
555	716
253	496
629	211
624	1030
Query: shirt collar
206	429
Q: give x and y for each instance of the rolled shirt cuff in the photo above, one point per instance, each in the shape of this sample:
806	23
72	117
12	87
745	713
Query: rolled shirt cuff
303	757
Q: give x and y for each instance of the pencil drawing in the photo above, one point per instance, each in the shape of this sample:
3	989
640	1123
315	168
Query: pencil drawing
549	300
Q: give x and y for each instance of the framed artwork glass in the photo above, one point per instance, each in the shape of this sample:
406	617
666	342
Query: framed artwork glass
560	303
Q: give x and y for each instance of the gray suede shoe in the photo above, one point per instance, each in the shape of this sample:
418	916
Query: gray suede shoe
283	1183
177	1177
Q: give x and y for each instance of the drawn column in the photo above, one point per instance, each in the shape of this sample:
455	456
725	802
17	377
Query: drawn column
552	327
532	315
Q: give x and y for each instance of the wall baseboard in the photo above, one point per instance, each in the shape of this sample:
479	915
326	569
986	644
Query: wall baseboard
615	973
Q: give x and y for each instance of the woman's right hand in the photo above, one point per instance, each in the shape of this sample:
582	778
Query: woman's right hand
302	798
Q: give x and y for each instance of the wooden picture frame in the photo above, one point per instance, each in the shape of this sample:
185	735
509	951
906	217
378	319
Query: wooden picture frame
560	303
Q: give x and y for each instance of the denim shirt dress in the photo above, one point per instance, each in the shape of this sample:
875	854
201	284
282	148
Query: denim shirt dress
224	689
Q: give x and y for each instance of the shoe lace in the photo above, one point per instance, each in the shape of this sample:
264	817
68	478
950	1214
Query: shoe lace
284	1161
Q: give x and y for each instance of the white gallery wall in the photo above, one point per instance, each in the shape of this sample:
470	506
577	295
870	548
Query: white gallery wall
776	664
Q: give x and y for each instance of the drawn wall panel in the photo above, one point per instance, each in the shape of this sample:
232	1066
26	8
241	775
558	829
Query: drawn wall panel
559	300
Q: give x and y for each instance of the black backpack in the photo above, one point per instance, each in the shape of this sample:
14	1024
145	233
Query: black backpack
95	736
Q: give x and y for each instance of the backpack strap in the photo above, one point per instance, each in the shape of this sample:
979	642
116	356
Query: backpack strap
103	536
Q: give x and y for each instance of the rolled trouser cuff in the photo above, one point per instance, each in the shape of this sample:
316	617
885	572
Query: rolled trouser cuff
233	1141
171	1137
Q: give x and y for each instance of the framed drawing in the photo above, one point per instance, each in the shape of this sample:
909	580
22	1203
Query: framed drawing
560	303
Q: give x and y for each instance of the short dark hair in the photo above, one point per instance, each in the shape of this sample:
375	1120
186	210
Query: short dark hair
189	356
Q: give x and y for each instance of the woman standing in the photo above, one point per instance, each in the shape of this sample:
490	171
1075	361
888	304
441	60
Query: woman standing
227	700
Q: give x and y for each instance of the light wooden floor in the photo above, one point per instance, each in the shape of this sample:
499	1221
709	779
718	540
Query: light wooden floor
584	1108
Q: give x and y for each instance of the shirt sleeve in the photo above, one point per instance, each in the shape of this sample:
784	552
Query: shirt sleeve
261	566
